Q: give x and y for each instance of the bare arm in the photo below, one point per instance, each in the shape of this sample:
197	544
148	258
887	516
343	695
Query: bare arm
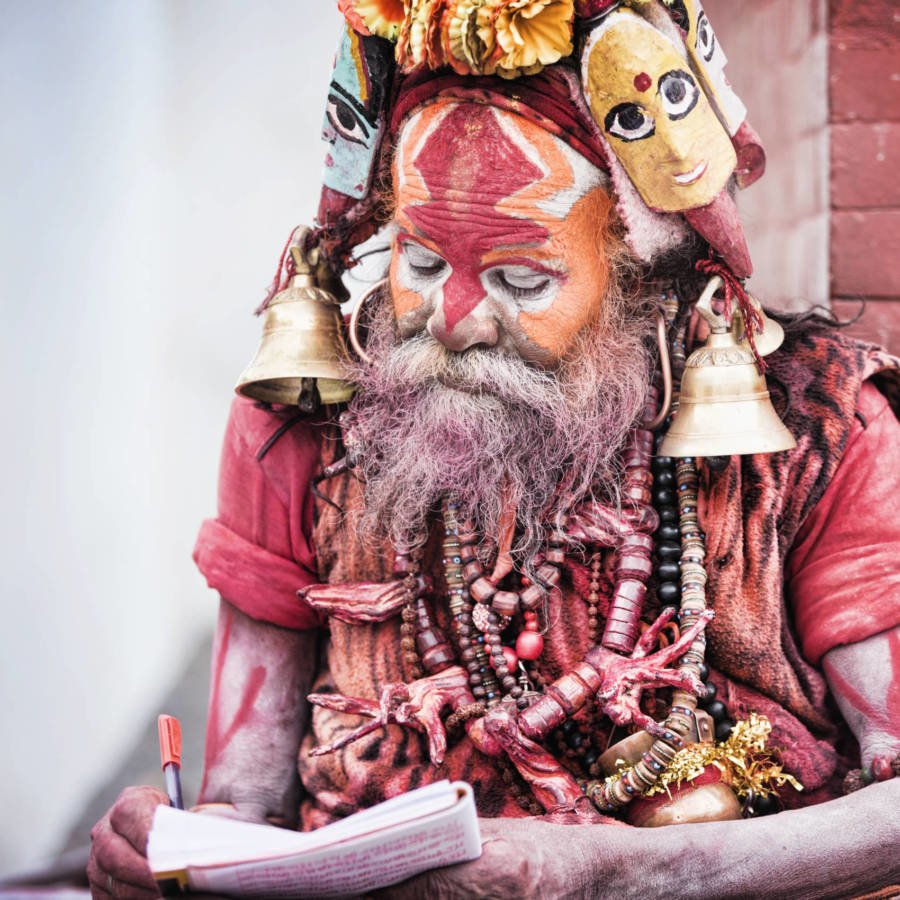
258	714
839	849
865	680
261	675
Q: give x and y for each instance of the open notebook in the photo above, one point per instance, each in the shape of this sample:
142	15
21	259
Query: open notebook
433	826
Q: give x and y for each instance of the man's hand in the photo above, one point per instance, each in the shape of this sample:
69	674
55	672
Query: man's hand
520	858
118	863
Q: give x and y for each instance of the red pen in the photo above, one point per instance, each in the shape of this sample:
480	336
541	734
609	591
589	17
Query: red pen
170	755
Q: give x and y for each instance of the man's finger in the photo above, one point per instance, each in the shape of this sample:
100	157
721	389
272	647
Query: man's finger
103	885
132	814
114	855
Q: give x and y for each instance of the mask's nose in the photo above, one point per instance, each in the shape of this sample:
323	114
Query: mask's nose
680	144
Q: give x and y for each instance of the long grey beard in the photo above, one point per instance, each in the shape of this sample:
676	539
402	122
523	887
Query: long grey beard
490	430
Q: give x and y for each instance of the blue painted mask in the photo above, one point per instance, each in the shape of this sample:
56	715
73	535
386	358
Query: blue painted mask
355	114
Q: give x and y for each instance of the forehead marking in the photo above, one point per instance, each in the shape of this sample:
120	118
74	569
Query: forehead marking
461	213
642	81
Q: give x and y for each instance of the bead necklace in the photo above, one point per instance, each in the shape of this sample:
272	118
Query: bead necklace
469	641
480	611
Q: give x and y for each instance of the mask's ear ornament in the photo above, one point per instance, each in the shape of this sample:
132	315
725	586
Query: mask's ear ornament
652	106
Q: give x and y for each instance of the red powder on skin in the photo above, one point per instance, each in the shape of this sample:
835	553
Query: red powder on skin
218	738
461	215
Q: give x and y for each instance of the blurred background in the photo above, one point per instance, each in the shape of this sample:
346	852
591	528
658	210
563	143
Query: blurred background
155	156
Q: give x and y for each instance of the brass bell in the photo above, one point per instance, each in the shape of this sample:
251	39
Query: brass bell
724	408
767	340
302	339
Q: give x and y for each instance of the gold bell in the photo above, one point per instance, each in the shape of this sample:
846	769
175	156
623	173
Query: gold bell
302	340
724	408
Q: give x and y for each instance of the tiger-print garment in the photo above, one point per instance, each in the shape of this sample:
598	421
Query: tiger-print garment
751	512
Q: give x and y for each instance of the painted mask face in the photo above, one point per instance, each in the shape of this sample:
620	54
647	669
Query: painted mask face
709	60
499	230
655	115
354	115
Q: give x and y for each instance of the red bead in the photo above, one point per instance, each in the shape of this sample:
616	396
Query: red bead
512	661
529	645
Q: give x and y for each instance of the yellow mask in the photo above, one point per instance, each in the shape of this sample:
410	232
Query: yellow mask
655	115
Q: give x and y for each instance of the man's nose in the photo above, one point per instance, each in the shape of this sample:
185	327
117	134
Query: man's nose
476	327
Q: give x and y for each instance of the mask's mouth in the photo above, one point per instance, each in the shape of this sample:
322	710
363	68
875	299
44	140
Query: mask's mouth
695	174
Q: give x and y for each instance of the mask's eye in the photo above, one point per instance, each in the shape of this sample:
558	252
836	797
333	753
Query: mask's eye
422	261
679	93
629	122
346	121
706	38
520	283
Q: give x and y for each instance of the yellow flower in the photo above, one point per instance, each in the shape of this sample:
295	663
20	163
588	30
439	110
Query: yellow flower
463	46
529	34
414	44
379	17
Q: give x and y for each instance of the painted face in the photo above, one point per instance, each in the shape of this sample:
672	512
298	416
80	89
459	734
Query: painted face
354	115
499	231
709	60
655	115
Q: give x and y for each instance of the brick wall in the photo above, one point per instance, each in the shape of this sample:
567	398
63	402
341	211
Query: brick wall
778	62
864	102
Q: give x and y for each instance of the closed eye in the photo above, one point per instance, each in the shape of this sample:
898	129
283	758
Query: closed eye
520	283
421	260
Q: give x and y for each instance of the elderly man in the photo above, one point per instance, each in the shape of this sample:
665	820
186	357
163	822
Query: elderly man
487	532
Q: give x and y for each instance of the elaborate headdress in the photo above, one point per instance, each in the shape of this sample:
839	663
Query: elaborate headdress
673	172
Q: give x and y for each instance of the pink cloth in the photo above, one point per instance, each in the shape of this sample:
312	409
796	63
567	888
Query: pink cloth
843	575
258	552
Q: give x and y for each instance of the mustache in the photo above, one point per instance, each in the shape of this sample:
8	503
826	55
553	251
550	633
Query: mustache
421	363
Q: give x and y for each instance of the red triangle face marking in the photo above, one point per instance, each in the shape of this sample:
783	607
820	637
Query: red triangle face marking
470	165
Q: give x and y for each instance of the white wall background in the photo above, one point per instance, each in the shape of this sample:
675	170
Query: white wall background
155	154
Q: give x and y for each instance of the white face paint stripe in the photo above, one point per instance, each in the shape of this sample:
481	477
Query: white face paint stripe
584	175
414	151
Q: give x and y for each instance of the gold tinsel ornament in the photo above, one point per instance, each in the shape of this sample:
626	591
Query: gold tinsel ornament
743	759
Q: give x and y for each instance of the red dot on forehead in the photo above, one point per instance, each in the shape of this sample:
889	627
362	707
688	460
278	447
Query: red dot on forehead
642	81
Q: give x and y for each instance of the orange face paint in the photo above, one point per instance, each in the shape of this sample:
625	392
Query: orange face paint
498	232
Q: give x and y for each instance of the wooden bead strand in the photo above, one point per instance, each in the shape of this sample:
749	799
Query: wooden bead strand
406	568
470	644
633	565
